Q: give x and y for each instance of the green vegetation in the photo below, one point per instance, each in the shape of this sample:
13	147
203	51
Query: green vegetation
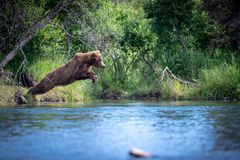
177	91
221	81
137	38
7	94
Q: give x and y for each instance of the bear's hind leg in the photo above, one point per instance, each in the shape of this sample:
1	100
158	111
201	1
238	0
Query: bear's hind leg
41	88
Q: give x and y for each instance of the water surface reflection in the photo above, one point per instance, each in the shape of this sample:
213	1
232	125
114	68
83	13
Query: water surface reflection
108	131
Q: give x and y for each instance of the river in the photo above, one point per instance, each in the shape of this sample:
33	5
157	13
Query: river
107	130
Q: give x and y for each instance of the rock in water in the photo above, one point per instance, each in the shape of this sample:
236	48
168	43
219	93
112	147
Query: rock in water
139	153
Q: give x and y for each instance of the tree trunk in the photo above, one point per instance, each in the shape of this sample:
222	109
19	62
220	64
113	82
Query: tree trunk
36	26
147	61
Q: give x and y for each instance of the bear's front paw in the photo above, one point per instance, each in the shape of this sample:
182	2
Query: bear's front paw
94	80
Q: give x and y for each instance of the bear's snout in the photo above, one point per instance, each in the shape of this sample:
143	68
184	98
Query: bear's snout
103	65
99	64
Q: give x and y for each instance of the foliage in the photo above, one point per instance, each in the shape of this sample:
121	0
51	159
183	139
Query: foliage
225	12
15	19
170	15
221	82
125	36
184	32
180	22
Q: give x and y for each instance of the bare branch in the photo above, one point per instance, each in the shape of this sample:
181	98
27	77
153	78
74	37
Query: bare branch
168	73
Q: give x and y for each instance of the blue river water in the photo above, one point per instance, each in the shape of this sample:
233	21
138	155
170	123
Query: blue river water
107	131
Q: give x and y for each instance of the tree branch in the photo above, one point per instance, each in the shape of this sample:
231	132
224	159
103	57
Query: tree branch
36	26
147	61
168	73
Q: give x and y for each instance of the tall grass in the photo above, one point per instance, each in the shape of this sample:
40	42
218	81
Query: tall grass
173	89
221	82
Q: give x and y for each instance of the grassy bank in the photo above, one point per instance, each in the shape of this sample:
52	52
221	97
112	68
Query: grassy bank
217	82
221	82
77	92
7	93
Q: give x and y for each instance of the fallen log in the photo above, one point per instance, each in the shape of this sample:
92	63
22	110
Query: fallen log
168	73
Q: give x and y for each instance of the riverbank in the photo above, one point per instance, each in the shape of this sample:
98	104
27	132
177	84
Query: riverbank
219	83
60	94
71	94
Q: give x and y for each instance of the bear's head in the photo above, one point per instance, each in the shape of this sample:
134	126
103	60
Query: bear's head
97	60
92	58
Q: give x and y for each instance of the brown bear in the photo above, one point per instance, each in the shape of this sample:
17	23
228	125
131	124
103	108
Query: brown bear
78	68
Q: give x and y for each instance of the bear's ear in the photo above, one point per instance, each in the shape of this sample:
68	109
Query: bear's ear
93	57
77	56
94	54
